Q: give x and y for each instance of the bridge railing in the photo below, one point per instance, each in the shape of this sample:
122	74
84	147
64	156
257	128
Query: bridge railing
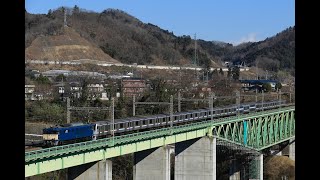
112	141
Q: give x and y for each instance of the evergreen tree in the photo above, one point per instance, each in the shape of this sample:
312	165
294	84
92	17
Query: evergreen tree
235	73
76	9
84	92
266	87
221	72
49	15
278	85
229	72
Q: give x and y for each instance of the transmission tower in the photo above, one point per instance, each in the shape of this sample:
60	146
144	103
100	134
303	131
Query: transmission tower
195	49
65	18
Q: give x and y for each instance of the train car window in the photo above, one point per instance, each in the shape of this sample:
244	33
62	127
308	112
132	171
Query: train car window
131	124
137	123
121	125
150	121
143	122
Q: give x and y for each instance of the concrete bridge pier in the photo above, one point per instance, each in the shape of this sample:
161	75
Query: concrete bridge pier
292	147
195	159
152	164
256	168
234	172
101	170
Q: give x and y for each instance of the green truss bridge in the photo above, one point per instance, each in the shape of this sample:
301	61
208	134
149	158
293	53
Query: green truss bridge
256	131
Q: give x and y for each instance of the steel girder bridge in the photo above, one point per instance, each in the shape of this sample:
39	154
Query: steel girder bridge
255	131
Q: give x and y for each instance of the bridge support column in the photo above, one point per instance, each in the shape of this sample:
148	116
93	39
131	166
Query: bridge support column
195	159
292	148
101	170
234	173
256	168
152	164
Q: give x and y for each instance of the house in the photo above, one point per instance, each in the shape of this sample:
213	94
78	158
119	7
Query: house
248	85
96	91
133	86
75	89
61	89
29	92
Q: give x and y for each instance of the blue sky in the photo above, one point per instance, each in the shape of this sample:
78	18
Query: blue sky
231	21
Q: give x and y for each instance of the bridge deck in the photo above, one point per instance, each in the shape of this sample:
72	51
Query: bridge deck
263	129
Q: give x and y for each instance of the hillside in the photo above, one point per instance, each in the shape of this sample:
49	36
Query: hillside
68	45
128	40
273	53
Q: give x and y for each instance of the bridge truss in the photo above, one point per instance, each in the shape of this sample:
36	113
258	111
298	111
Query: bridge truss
255	131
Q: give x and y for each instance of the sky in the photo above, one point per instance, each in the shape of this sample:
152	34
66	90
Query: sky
230	21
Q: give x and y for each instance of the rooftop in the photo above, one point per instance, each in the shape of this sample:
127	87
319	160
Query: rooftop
261	81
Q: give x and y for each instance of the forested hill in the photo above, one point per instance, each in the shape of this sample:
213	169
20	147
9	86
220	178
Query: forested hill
277	52
128	40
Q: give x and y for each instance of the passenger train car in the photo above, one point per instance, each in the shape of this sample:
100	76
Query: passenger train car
75	132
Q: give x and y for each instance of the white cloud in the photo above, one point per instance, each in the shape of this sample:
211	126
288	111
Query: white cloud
251	37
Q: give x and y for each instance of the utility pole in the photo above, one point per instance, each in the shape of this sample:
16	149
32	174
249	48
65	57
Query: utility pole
203	75
68	110
134	106
195	49
238	100
179	101
180	78
65	18
112	118
262	99
256	96
266	74
280	97
290	94
212	96
195	56
171	112
257	70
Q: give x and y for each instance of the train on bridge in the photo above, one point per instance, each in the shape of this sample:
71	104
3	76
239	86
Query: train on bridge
77	132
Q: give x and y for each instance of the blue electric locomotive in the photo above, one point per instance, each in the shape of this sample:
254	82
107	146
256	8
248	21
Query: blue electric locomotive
67	133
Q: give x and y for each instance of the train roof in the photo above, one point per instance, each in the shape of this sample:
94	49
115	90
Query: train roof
66	126
72	124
